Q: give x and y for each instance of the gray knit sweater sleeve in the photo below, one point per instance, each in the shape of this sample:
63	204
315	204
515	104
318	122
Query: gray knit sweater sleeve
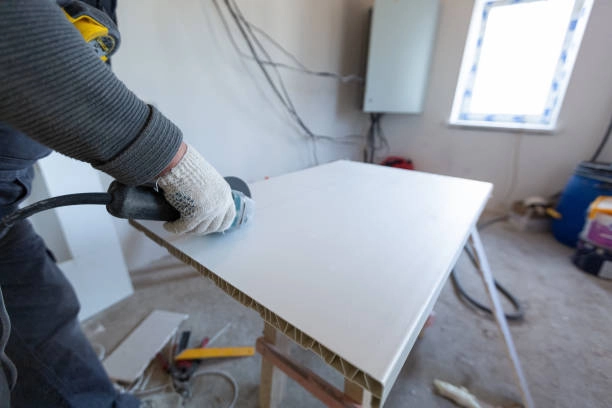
54	89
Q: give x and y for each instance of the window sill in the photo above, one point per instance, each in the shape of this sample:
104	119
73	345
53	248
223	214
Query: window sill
503	127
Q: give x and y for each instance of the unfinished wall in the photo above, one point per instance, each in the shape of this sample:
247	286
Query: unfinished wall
180	59
518	164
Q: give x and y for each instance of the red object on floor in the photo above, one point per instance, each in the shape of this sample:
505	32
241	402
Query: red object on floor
398	162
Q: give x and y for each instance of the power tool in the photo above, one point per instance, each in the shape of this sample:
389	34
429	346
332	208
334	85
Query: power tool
140	202
96	27
129	202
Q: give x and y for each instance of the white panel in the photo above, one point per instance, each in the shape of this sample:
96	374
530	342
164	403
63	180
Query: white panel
97	269
401	43
353	255
222	102
129	360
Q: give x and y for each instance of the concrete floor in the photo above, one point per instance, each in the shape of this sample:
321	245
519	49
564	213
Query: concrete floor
564	343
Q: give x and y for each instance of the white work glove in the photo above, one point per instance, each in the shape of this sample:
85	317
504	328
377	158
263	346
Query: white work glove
200	194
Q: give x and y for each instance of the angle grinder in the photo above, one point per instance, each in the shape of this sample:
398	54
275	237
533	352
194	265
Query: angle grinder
128	202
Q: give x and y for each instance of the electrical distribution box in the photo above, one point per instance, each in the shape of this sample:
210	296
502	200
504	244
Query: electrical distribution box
402	37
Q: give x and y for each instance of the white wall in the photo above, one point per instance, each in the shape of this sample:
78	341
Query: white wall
177	56
544	162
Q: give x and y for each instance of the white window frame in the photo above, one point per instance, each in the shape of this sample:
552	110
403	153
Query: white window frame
547	121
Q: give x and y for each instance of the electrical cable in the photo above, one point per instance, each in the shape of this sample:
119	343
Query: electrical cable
186	393
603	143
218	334
246	30
277	45
381	134
375	133
250	38
281	94
251	47
136	385
518	314
300	66
225	375
515	167
53	202
368	154
265	53
153	390
324	74
301	123
144	384
139	387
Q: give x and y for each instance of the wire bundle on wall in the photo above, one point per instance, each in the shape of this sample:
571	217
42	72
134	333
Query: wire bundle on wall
375	138
299	66
270	69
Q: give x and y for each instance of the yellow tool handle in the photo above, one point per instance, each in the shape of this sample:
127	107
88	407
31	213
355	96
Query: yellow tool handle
97	28
202	353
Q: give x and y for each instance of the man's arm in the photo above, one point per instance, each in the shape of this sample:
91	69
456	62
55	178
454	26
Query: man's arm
56	90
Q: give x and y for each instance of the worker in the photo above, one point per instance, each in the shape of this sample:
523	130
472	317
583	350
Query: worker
56	93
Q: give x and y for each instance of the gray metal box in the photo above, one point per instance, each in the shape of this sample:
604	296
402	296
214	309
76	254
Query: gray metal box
402	37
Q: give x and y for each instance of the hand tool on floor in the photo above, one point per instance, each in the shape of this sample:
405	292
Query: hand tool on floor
183	370
184	356
129	202
219	352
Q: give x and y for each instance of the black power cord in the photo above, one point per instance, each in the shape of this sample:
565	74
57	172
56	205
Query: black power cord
518	314
375	133
603	143
54	202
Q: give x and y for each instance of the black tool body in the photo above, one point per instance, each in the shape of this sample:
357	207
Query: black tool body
130	202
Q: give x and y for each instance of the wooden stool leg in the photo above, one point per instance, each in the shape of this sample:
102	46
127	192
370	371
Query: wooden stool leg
500	317
358	394
272	379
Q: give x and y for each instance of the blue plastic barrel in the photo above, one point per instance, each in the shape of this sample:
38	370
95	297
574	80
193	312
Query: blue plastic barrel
590	180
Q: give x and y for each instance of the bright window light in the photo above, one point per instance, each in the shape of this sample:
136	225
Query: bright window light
517	62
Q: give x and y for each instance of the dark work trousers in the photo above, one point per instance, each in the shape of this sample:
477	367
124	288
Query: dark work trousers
56	366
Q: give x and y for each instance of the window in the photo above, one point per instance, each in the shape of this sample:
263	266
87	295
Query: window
517	62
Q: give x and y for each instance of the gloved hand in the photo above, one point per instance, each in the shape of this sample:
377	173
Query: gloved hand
200	194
